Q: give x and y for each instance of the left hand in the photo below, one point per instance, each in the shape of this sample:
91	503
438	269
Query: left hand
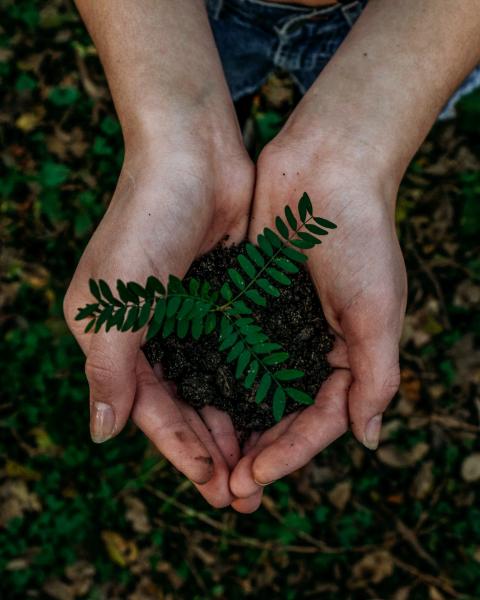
360	277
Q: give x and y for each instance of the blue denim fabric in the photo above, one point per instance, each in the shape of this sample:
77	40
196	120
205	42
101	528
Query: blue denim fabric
256	37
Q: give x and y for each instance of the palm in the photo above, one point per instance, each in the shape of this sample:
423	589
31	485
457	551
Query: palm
157	224
360	277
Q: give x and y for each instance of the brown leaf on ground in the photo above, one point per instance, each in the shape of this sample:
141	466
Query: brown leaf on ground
372	568
121	551
15	500
137	515
340	494
471	468
398	458
422	485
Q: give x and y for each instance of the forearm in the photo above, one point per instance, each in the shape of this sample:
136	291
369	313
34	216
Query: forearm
161	63
390	78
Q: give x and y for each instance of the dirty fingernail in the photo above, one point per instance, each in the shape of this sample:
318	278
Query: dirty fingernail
371	435
102	422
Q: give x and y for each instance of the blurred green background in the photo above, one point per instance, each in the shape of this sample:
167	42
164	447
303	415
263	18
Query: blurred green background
116	521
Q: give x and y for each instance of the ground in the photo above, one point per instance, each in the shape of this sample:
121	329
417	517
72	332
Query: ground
116	521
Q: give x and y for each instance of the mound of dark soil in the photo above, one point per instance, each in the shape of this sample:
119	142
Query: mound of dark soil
295	320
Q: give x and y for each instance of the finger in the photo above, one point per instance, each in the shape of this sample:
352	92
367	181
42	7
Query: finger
222	431
248	505
313	430
159	417
110	371
216	491
242	482
338	357
374	363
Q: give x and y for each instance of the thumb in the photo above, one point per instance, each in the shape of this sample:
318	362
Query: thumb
110	371
374	363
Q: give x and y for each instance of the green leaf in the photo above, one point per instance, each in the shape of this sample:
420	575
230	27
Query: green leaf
272	237
251	374
263	388
154	286
107	293
292	221
307	237
256	338
279	401
226	292
302	244
294	255
264	245
247	266
53	174
210	322
94	289
186	308
255	255
157	319
286	265
236	278
316	230
240	308
256	297
118	317
304	206
243	321
266	348
242	363
275	359
228	341
278	276
197	328
125	294
169	327
324	223
268	287
182	328
299	396
289	374
175	286
281	227
144	315
136	289
103	317
131	319
173	305
193	286
86	311
225	326
89	326
235	352
205	289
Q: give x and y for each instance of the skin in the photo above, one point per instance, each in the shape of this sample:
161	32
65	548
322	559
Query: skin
347	144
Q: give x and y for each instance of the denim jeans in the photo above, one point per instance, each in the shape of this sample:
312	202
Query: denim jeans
256	37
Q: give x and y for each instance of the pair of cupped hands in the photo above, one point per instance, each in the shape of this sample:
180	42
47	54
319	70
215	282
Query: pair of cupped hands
182	189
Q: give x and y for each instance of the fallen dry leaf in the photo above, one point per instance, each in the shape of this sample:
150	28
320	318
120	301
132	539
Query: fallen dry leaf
340	494
398	458
422	485
471	467
372	568
15	500
123	552
137	515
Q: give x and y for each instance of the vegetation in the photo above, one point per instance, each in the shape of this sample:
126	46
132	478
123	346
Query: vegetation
115	521
201	310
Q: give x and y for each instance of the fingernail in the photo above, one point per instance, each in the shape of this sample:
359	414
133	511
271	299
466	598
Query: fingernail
264	484
371	435
102	422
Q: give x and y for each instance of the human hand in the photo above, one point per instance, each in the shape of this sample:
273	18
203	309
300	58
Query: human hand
360	277
168	208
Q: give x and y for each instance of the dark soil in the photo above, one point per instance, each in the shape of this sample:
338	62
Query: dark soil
295	320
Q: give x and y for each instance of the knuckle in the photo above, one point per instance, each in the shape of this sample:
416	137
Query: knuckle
100	371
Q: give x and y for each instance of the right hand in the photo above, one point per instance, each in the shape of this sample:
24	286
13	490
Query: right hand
168	208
